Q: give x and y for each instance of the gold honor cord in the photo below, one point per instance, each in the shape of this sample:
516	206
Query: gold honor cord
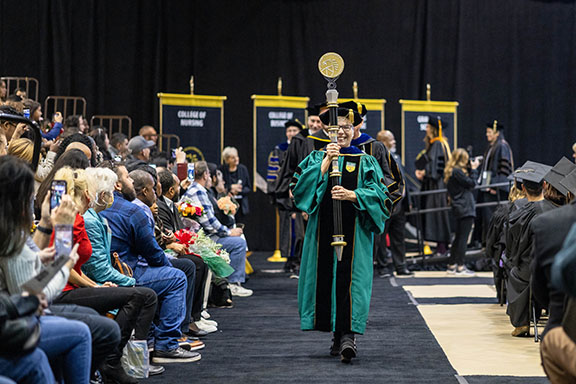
331	67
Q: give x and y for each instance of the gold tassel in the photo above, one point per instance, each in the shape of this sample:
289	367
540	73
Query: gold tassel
351	116
495	126
440	128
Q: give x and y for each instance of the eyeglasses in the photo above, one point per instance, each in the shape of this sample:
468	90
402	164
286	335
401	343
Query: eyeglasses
345	128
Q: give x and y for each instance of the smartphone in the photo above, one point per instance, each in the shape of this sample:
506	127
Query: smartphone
191	171
63	239
57	190
173	154
26	112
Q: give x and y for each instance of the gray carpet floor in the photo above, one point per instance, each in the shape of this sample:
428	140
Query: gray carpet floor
259	341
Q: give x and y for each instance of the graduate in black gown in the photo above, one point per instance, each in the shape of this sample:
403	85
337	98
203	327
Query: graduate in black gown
519	242
496	236
430	171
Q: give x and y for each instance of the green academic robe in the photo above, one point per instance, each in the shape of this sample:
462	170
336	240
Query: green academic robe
335	296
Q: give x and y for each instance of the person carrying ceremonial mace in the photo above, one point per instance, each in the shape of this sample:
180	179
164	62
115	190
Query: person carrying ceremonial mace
346	206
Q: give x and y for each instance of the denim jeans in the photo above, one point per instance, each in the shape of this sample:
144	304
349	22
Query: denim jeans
67	343
170	286
236	247
32	368
136	310
105	332
189	269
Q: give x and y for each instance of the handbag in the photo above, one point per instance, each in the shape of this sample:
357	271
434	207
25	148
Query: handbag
19	325
121	266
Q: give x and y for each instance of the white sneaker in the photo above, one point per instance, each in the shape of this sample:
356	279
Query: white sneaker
238	290
205	327
205	314
207	322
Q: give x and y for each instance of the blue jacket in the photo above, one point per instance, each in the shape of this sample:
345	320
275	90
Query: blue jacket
99	266
52	133
132	236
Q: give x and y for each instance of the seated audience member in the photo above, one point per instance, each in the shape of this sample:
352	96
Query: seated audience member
53	130
237	180
133	240
146	199
140	151
118	146
149	134
218	190
35	109
136	305
65	342
229	238
75	159
77	141
172	222
14	101
22	148
30	366
3	142
101	139
519	245
10	127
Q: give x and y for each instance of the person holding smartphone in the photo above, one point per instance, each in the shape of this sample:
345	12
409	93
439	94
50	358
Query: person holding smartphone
136	305
460	177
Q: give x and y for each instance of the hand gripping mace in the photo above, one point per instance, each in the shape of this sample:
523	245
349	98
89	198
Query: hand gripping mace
331	67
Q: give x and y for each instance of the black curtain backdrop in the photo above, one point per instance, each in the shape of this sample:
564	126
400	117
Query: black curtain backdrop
511	60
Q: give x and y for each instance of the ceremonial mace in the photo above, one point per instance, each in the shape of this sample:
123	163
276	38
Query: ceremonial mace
331	67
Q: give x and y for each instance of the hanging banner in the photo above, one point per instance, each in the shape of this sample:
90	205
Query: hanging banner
374	121
270	114
197	120
414	119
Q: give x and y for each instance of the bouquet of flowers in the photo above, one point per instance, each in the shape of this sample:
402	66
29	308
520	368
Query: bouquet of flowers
189	210
227	205
216	258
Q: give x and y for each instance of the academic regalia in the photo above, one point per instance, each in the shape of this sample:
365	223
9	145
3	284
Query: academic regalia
436	225
519	255
335	296
392	175
496	242
498	164
550	229
519	241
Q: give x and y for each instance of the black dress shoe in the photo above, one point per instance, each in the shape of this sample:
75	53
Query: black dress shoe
116	374
347	348
335	347
404	272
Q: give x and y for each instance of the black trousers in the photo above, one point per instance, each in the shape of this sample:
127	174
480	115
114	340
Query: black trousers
104	331
458	248
189	269
136	309
199	284
395	230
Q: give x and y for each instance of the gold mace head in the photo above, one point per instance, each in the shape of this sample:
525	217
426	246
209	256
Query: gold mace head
331	65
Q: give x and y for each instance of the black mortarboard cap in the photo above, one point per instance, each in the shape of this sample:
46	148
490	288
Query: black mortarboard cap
351	114
359	107
293	123
532	172
314	110
495	125
569	182
556	174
